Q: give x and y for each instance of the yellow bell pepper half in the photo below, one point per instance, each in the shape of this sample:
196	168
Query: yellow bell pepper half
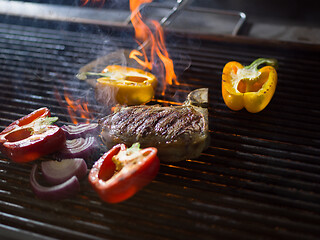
131	86
125	85
249	87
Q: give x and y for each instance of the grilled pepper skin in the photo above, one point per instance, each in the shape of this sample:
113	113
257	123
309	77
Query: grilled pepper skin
249	87
130	86
39	113
115	180
26	139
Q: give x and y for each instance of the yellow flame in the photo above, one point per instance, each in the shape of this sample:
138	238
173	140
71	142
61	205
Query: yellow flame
156	42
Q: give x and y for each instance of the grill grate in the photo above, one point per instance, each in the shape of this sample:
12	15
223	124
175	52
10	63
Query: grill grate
259	179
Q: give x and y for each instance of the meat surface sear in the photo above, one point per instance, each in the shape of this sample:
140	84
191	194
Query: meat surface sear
179	132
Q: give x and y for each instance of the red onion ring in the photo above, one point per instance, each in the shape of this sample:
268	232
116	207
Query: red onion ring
57	192
57	172
78	148
80	130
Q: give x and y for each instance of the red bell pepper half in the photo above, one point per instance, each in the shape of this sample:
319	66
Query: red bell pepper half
122	171
32	137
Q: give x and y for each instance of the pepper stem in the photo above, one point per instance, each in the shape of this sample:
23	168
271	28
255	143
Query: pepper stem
40	125
128	156
83	75
268	61
135	147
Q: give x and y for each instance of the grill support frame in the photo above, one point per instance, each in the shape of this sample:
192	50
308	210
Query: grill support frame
256	180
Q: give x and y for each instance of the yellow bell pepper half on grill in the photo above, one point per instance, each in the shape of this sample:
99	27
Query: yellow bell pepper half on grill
247	86
129	86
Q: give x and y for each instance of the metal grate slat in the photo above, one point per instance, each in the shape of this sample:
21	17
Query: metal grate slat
259	179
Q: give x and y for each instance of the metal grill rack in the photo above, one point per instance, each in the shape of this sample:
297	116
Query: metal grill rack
259	179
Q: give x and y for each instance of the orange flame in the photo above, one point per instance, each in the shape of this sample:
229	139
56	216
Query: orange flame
157	44
93	2
76	108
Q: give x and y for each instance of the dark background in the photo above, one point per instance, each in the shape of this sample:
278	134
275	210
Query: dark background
296	12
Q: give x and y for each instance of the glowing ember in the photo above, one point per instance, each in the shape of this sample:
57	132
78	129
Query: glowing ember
156	44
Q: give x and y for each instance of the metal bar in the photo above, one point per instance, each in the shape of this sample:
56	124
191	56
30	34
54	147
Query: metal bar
166	20
257	180
176	10
242	16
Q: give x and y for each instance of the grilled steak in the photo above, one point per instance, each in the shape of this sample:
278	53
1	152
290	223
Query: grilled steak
179	132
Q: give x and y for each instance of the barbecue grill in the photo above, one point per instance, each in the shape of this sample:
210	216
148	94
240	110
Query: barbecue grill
259	178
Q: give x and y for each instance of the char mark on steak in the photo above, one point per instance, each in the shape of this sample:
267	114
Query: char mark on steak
179	132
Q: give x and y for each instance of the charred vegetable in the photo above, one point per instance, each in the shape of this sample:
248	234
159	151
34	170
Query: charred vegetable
78	148
57	172
31	137
249	87
129	86
63	176
80	130
122	171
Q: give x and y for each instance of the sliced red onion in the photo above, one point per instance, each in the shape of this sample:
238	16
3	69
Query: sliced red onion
78	148
57	192
56	172
80	130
